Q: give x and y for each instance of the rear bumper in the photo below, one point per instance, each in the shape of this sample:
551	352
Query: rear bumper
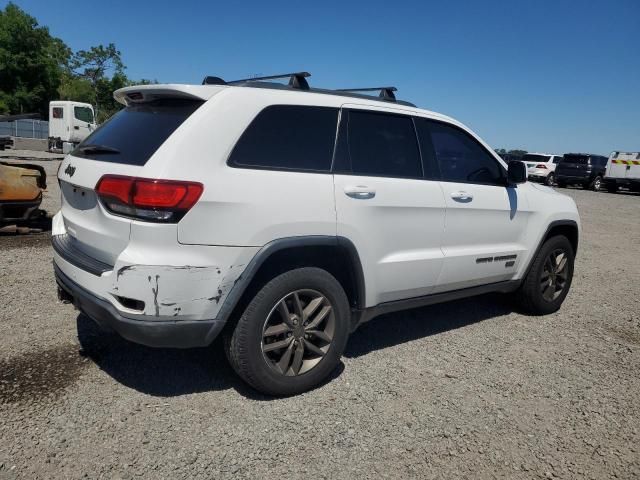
624	182
153	333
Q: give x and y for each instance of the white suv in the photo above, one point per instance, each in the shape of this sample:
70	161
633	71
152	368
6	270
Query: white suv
284	217
541	167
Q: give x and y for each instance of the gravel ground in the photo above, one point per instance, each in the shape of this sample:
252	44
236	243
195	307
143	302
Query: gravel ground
462	390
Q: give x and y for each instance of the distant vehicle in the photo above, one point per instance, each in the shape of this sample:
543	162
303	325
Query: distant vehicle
581	169
541	167
5	142
69	124
623	170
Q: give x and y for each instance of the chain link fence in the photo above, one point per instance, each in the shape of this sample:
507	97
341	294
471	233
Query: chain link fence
25	129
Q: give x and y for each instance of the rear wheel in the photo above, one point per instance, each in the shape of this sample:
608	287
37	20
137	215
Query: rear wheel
561	184
292	334
548	281
596	183
549	181
612	187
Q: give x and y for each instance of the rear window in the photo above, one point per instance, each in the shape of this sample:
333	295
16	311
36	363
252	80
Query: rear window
58	112
288	137
578	159
530	157
133	134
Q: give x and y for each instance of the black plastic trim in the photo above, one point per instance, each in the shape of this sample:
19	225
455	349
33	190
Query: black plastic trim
416	302
63	245
270	248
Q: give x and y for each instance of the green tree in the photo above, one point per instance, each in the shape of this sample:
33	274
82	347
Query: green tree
30	63
102	68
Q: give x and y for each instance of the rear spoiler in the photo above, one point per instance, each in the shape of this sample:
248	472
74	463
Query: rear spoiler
148	93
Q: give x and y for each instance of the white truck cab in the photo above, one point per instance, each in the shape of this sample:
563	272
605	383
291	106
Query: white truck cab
69	124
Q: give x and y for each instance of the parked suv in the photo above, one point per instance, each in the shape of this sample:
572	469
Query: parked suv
581	169
541	167
284	217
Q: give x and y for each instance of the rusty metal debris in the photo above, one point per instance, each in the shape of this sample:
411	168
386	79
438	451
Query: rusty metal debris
21	186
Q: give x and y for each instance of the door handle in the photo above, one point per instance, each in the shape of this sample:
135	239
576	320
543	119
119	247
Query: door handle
462	196
360	192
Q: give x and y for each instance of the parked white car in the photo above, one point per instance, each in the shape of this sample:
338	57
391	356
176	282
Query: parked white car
541	167
623	170
283	217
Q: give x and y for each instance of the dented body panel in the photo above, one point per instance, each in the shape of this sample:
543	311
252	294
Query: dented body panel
176	282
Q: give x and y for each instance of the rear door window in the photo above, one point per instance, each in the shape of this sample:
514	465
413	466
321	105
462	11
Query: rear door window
133	134
381	144
288	137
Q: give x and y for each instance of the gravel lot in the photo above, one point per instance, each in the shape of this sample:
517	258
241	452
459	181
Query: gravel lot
468	389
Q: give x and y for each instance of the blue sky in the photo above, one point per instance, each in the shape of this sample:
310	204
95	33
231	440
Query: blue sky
550	76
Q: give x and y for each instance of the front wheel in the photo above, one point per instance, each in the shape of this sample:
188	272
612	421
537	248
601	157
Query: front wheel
548	281
292	334
549	181
562	184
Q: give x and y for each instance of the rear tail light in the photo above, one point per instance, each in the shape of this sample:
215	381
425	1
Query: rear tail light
148	199
541	165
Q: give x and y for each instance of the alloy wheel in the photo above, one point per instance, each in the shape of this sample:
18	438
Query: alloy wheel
554	275
298	332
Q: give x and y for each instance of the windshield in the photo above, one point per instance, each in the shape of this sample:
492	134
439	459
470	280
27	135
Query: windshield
133	134
84	114
530	157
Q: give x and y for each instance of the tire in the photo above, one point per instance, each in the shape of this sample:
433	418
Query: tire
612	187
549	181
596	183
561	184
532	295
273	372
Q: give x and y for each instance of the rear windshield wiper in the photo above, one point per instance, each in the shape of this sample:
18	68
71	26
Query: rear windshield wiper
94	148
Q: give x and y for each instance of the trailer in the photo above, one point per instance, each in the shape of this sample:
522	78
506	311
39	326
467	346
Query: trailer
623	170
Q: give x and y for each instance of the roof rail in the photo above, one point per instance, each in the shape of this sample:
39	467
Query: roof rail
296	80
385	92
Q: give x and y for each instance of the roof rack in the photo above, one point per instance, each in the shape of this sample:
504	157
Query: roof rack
385	92
297	81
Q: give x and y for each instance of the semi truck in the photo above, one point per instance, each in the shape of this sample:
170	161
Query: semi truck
69	124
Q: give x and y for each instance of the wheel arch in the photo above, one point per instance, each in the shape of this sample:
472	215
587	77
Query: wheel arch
337	255
567	228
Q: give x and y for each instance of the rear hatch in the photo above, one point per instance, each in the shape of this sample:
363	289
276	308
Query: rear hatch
574	165
531	160
121	146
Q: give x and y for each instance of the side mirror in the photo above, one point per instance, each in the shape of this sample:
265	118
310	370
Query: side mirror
516	172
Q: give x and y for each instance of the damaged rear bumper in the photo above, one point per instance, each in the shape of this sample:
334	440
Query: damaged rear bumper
153	333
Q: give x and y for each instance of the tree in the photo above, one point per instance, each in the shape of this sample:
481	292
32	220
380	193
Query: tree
94	66
30	63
